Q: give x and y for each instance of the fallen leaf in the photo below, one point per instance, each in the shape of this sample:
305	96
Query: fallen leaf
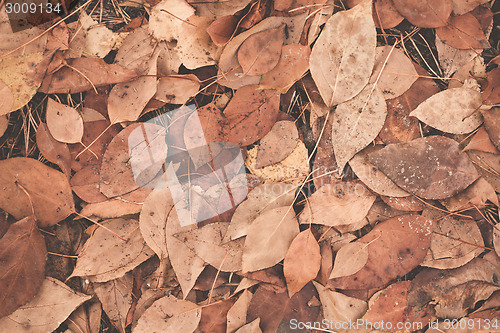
407	204
222	29
461	7
431	167
276	145
252	327
169	314
237	314
64	122
215	9
372	177
260	52
356	123
293	64
116	297
48	190
111	208
463	32
302	261
6	99
393	71
488	166
402	241
251	114
341	205
23	255
136	50
86	318
22	75
343	56
475	195
349	260
491	93
452	59
51	306
269	238
177	89
492	125
385	14
206	243
83	75
53	150
339	308
261	198
132	159
481	141
106	257
425	14
456	290
214	316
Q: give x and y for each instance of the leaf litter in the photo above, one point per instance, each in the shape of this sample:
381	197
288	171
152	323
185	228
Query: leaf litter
235	166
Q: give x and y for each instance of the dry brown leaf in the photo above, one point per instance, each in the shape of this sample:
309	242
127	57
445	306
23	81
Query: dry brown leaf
86	318
431	167
276	145
51	306
136	50
206	243
6	99
454	242
293	64
260	199
252	327
455	290
342	59
406	204
132	159
341	205
230	71
372	177
461	7
222	29
260	52
452	59
488	166
302	261
169	314
96	73
177	89
64	122
475	195
349	259
116	297
251	114
463	32
356	123
481	141
269	238
401	241
393	71
127	100
111	208
22	75
28	41
425	13
23	255
339	308
215	9
85	184
53	150
214	316
237	315
492	125
48	190
106	257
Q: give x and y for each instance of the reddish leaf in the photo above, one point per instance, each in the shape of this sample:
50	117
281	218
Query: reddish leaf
214	316
85	184
492	125
431	167
222	29
22	264
425	13
463	32
53	150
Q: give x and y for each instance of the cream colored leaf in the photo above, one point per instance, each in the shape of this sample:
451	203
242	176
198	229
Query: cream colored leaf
4	123
338	307
65	123
51	306
252	327
341	205
260	199
451	111
6	99
269	238
152	221
169	315
276	145
342	59
111	208
99	41
237	315
398	72
136	49
356	123
177	89
106	257
302	261
349	259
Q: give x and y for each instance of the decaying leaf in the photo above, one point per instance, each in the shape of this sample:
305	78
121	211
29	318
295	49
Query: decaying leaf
64	122
349	259
53	150
269	238
463	32
461	7
6	99
492	125
177	89
237	315
425	13
23	255
342	59
277	144
136	49
402	241
106	256
252	327
111	208
302	261
341	205
169	314
481	141
48	191
51	306
222	29
475	195
432	167
356	123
